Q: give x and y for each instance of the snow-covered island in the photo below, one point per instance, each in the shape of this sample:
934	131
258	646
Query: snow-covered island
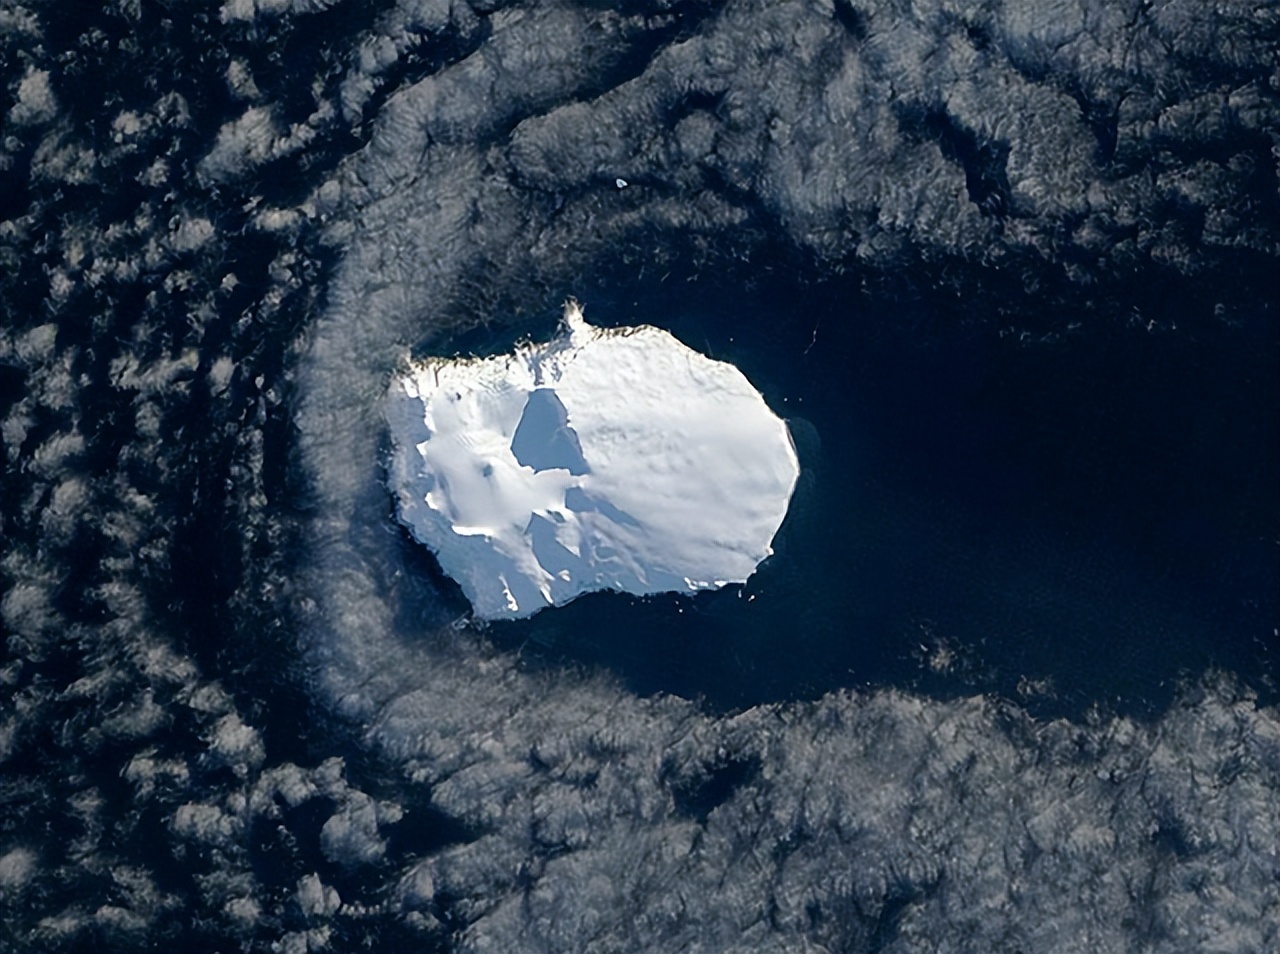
604	459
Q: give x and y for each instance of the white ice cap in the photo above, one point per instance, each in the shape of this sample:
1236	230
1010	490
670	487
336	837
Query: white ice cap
603	459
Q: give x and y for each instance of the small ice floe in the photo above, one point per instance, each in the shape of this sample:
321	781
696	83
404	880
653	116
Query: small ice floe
621	183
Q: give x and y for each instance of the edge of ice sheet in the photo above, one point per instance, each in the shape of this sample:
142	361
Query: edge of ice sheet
604	459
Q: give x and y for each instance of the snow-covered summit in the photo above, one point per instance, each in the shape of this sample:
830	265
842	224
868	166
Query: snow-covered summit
604	459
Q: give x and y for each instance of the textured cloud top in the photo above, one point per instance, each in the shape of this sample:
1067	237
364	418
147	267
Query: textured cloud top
606	459
234	713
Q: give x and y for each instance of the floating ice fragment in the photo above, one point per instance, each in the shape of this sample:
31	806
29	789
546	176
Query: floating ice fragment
621	183
603	459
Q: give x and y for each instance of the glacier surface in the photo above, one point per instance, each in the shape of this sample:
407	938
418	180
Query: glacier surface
604	459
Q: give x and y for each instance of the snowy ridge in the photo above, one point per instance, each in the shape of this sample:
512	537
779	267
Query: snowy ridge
605	459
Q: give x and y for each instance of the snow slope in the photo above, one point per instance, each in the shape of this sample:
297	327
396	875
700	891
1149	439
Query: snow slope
604	459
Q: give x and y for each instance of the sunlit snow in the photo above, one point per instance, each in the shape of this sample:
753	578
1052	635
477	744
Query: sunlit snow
604	459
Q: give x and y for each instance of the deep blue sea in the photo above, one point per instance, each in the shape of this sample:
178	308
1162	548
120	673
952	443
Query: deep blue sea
1069	503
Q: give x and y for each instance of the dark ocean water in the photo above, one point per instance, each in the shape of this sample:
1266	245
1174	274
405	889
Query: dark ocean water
1071	504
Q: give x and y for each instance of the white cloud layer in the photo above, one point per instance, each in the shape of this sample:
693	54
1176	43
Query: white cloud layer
35	101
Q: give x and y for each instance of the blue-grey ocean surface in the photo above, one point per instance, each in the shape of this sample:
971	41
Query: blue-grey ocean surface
1008	682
